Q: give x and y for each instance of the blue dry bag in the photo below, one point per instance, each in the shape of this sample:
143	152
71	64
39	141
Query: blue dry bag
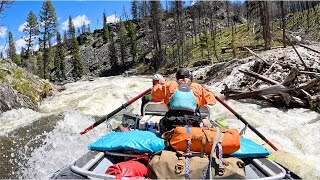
143	141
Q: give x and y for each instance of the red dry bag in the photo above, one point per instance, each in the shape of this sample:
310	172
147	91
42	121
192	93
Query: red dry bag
133	168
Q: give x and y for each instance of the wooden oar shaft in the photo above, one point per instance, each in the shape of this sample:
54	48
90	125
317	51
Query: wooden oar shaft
246	123
115	111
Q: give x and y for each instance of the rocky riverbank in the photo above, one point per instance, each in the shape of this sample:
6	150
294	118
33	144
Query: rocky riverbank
281	76
19	88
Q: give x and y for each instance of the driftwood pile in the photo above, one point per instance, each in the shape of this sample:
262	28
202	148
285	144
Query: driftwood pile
286	83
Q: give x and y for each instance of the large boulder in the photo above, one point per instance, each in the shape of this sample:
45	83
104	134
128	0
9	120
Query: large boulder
20	88
12	99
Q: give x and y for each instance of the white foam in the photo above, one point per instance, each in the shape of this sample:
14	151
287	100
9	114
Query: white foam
62	146
17	118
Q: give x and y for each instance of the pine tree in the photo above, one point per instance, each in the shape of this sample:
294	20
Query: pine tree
133	41
156	18
105	29
51	52
23	56
62	62
34	68
71	32
134	9
144	8
88	28
122	41
71	29
65	39
79	31
1	55
113	53
124	13
39	66
31	30
12	54
177	7
49	24
59	62
83	28
77	65
205	42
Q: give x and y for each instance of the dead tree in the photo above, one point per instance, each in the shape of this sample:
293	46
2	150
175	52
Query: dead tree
264	19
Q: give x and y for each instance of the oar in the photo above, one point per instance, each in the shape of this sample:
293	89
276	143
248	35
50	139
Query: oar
246	123
115	111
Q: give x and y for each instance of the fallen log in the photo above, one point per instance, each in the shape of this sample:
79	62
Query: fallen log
226	91
250	51
314	102
300	102
308	85
270	68
292	32
259	76
275	89
309	48
291	76
306	93
294	48
69	71
309	72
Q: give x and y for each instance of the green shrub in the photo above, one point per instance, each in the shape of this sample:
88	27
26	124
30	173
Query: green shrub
18	74
24	87
3	77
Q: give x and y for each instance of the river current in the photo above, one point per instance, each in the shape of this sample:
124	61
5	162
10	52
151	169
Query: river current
36	144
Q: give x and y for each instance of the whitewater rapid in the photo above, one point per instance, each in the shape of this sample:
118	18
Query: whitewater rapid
48	140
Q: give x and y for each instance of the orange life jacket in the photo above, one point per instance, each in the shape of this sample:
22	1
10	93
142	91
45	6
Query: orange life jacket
166	90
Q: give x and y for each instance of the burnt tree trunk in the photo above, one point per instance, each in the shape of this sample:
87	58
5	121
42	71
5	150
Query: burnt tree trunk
264	18
283	23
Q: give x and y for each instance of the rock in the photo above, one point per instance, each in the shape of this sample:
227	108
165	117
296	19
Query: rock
201	63
171	71
12	99
98	43
83	38
297	38
148	58
239	19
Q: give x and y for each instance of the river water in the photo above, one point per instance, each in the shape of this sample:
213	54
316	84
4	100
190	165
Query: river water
36	144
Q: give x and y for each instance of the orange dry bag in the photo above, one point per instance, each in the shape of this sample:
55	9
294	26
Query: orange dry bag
202	139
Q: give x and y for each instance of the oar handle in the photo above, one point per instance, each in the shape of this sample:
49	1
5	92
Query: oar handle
246	123
115	111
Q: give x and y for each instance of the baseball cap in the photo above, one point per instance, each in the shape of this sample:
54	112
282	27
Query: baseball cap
183	73
157	77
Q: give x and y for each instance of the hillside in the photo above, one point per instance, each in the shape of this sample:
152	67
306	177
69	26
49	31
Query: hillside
201	34
198	47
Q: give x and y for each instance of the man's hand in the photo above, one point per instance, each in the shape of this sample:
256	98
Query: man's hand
207	88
